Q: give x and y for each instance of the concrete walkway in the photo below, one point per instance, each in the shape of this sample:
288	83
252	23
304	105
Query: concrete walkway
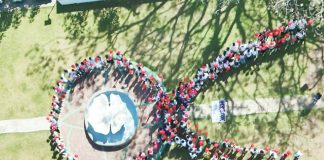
262	105
24	125
270	105
243	107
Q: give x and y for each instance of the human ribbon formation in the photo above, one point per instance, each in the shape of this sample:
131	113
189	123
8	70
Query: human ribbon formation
172	108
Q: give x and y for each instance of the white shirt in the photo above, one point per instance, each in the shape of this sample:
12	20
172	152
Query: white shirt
183	143
298	154
234	48
300	35
274	154
293	25
177	140
243	47
301	24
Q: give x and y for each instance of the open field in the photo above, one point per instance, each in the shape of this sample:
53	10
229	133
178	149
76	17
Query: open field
28	146
289	130
293	130
173	38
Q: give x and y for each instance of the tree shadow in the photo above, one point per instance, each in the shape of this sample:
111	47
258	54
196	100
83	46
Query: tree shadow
153	36
10	19
33	12
80	30
56	154
12	13
267	126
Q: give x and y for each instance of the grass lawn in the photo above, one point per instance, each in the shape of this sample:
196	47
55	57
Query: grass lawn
283	130
27	146
290	130
173	38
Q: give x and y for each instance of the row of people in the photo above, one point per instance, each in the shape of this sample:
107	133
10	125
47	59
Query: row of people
232	57
171	109
78	72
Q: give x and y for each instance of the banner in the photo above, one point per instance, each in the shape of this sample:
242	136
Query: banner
218	111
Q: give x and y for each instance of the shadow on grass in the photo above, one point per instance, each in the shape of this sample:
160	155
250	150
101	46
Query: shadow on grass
266	126
153	34
188	39
11	19
56	154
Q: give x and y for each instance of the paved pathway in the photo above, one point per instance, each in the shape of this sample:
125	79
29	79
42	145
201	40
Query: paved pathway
263	105
24	125
244	107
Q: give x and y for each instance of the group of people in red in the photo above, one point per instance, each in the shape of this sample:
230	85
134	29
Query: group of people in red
78	72
171	114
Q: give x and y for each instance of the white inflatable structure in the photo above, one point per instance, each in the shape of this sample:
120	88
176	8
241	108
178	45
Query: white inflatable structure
111	118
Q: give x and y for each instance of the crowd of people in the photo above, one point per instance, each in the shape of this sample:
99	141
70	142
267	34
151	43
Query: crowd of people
172	109
171	115
78	72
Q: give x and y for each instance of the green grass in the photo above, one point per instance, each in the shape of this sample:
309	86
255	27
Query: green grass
173	37
27	146
288	130
285	130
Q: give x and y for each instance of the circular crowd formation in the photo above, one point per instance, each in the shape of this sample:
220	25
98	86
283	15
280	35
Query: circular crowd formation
170	109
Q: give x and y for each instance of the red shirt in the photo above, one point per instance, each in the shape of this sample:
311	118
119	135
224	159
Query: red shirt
237	57
230	55
276	32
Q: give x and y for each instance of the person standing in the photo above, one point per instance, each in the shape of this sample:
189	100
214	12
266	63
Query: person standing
297	155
